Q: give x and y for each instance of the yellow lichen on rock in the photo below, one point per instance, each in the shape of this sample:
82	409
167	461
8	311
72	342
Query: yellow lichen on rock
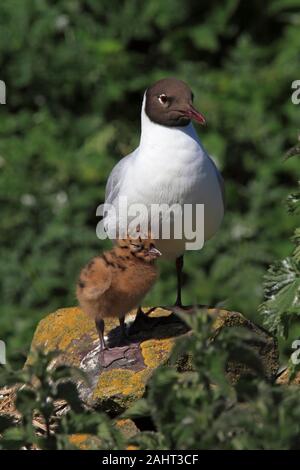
60	328
225	318
156	351
127	427
122	386
91	442
84	441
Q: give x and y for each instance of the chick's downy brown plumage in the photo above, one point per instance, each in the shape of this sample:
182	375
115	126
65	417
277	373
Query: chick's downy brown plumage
114	283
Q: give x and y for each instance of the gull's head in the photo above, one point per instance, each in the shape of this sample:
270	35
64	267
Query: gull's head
169	102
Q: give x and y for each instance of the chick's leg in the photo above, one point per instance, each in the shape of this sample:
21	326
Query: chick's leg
100	329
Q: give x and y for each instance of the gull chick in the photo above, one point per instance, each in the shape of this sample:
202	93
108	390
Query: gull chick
114	283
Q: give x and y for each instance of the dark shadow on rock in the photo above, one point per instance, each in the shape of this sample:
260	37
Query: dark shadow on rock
150	328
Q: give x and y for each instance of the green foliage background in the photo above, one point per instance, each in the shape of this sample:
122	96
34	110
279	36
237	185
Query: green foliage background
75	72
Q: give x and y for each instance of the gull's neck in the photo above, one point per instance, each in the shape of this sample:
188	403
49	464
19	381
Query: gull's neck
157	136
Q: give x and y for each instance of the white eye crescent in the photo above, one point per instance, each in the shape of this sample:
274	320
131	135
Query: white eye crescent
163	99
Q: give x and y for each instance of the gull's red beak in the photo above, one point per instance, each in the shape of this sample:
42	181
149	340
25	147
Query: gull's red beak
192	113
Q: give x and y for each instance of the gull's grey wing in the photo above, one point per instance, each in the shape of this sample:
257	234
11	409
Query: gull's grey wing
115	179
220	179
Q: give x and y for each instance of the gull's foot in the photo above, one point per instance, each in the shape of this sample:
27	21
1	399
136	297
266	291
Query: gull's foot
178	303
180	307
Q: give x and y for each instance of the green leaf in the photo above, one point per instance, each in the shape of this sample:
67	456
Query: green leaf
68	391
26	400
6	421
139	409
282	292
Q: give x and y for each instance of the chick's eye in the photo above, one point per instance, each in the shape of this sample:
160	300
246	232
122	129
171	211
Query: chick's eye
136	246
163	99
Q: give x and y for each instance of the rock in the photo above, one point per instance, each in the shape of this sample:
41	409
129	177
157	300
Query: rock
265	346
120	377
127	427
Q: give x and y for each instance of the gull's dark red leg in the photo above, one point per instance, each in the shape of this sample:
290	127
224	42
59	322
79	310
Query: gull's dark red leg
179	268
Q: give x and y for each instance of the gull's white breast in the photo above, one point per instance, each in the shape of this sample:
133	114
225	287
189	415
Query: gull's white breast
170	167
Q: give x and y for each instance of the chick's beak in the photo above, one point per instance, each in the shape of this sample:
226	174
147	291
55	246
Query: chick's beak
192	113
154	252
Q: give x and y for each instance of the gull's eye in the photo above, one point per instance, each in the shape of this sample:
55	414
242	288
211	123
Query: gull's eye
163	99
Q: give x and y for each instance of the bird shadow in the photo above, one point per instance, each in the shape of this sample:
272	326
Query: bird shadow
148	327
